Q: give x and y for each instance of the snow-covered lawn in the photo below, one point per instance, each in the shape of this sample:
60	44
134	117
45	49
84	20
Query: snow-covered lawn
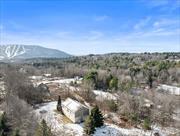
58	124
113	130
55	120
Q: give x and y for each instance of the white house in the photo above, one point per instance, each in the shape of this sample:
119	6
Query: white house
74	110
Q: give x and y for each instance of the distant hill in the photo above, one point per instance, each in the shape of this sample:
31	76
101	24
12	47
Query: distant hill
16	51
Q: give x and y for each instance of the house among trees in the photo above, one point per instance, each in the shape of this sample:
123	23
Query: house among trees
74	110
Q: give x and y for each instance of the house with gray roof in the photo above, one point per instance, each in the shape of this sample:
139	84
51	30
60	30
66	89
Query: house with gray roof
74	110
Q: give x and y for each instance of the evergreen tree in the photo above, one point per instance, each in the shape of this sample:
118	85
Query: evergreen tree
97	116
59	106
149	76
113	84
3	121
3	126
91	78
89	127
43	129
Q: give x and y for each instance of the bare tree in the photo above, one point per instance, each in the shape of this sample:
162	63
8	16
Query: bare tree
20	115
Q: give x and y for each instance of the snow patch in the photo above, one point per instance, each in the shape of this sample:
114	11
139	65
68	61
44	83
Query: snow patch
12	51
170	89
104	95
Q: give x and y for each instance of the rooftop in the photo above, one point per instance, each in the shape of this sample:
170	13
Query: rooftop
73	105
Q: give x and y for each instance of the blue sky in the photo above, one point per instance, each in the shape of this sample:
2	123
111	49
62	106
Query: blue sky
82	27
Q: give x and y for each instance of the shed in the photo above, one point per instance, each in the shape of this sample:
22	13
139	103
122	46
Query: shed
74	110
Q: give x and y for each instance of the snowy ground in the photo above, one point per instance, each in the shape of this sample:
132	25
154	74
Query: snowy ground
170	89
113	130
40	79
48	112
176	116
2	89
100	95
59	81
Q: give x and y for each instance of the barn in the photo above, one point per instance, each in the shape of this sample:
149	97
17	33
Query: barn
74	110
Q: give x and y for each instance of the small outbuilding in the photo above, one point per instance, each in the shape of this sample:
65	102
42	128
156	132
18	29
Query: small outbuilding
74	110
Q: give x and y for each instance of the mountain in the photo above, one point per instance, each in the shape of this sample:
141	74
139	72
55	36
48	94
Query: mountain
16	51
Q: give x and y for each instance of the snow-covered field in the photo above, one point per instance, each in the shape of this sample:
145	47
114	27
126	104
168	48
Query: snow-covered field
55	120
40	79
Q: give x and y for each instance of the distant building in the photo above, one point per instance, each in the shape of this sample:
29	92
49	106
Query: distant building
169	89
74	110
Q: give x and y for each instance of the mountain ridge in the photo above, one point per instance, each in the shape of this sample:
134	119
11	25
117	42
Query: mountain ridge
21	51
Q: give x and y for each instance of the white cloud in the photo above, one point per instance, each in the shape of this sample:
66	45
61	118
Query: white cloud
94	41
101	18
16	25
166	22
97	42
163	5
94	35
64	35
155	3
153	33
162	32
1	27
142	23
